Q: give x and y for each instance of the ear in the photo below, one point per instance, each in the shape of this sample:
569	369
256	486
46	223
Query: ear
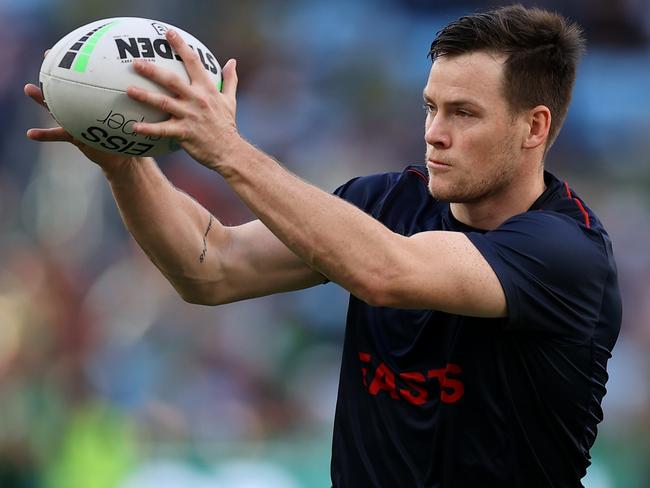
538	122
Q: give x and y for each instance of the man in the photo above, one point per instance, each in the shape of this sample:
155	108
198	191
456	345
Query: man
484	300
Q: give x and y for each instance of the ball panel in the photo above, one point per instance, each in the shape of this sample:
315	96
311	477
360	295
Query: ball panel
108	53
104	118
63	46
85	76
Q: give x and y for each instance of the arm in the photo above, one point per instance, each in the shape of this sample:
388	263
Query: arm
207	262
436	270
431	270
206	265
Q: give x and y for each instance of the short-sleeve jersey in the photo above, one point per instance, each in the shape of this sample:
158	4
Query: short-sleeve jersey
431	399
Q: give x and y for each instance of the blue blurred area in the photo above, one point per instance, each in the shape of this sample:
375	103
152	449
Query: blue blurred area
107	378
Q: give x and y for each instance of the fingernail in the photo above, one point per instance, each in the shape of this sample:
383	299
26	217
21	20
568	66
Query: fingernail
171	34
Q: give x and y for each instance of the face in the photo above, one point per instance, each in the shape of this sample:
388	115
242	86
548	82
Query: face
473	141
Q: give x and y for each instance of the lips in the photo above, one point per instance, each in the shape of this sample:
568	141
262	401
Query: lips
437	164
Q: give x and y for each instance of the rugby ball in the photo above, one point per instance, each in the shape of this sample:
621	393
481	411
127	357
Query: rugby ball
85	75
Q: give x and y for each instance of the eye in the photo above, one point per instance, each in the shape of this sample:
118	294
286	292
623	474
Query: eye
463	113
428	108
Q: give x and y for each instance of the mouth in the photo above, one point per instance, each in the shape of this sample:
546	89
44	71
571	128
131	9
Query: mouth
435	164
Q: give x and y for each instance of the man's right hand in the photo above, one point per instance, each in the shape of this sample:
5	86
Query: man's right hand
110	163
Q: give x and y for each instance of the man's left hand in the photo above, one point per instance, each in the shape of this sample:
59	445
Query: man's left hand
202	118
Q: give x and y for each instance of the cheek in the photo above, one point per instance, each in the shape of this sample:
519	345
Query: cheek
485	146
473	147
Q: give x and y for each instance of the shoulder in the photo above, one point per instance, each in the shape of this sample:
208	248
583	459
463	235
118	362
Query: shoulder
554	245
553	266
366	192
546	227
562	222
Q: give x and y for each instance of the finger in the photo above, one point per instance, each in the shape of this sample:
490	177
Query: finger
165	78
56	134
230	79
158	100
190	58
168	128
34	92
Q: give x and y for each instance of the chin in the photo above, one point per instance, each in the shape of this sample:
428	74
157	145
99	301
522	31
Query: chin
457	194
441	194
443	191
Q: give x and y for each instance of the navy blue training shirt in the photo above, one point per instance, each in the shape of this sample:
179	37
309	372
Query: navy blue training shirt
430	399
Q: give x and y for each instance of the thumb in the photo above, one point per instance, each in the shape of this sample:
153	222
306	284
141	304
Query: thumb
230	79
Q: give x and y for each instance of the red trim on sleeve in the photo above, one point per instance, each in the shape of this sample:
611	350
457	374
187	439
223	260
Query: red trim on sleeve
579	204
584	212
422	177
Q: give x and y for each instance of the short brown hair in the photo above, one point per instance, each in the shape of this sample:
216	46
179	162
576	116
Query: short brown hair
543	51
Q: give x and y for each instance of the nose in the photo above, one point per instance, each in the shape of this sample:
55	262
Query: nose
436	133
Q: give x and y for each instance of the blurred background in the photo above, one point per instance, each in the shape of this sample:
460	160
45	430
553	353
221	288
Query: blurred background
108	379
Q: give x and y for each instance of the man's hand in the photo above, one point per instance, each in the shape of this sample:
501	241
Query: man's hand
202	118
110	163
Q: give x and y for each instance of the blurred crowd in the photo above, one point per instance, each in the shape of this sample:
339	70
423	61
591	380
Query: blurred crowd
108	379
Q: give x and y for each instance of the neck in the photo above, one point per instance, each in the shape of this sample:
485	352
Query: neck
490	212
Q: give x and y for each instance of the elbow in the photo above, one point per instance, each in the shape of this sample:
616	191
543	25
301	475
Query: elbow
210	300
389	285
373	299
192	295
377	292
382	298
198	294
384	295
382	282
194	298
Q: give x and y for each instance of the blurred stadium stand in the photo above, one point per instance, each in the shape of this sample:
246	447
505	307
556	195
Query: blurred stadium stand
108	379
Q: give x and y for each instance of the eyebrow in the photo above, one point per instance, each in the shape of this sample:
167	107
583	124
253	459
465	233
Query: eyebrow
455	103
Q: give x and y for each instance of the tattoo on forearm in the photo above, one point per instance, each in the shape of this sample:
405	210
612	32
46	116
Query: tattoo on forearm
205	242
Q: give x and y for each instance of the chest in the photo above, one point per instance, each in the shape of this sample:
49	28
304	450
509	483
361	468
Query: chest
408	339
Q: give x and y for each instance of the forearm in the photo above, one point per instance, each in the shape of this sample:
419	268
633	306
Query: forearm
180	236
330	235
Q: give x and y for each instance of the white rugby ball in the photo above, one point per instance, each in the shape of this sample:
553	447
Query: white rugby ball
85	75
